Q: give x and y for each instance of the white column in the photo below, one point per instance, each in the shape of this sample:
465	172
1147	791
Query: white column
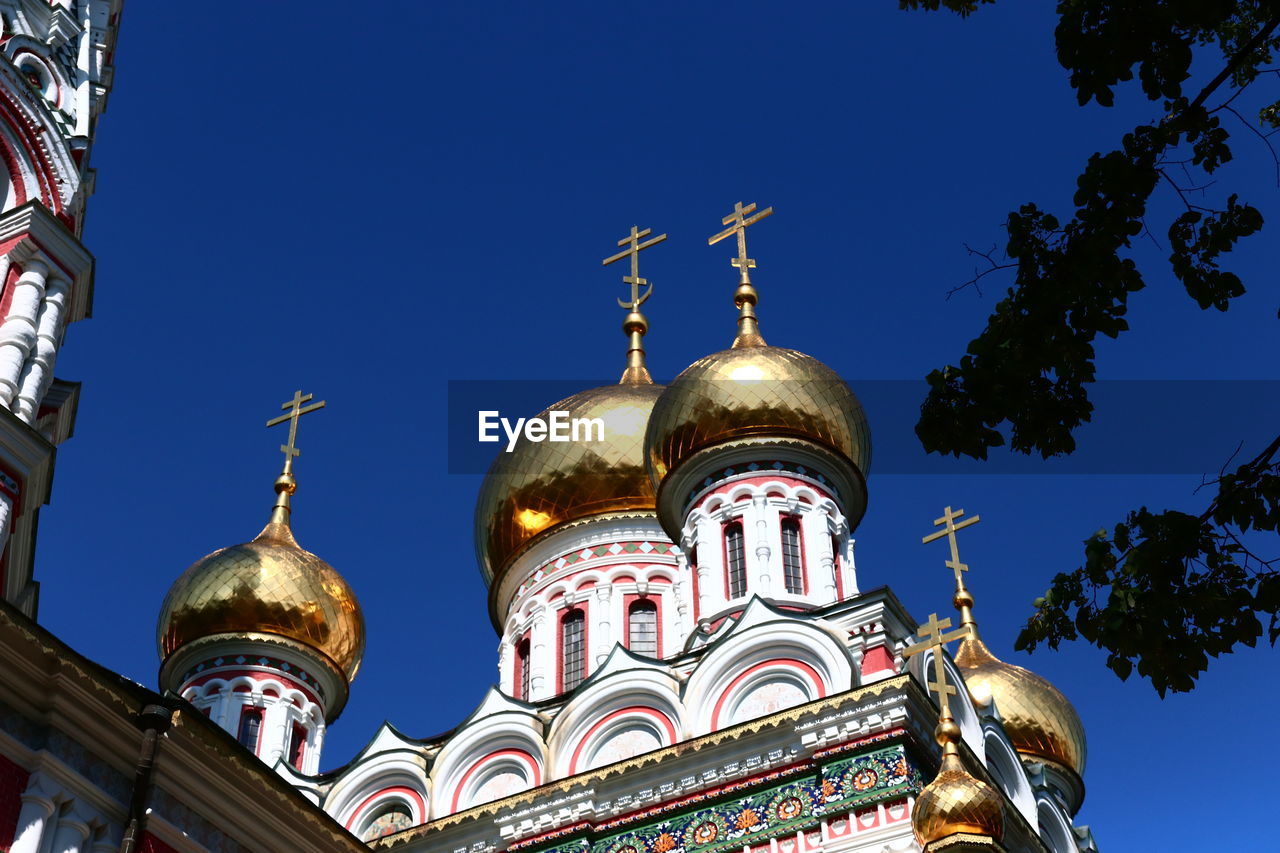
38	372
847	567
276	730
6	518
604	628
71	834
678	615
711	577
35	814
506	668
818	555
541	654
756	525
18	331
315	743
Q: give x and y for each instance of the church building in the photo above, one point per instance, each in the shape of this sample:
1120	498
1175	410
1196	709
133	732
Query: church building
690	659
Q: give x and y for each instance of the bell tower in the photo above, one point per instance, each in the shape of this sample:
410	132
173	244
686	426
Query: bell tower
54	79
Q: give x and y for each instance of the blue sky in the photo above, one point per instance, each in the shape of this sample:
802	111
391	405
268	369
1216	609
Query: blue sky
370	202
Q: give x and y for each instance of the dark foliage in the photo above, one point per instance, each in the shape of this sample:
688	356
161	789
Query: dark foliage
1162	591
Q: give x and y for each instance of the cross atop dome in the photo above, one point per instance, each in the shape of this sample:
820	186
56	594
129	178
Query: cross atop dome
295	411
635	324
745	297
738	222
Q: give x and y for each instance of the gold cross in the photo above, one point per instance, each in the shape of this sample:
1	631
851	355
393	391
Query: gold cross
738	222
949	519
931	637
296	410
634	248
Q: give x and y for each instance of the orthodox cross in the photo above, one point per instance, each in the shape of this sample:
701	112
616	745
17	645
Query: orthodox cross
296	410
634	247
932	637
949	531
738	222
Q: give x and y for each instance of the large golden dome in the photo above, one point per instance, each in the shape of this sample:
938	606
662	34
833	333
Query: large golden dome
269	586
1041	723
540	486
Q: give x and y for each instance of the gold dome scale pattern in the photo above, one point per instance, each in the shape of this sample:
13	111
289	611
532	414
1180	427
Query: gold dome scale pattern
755	391
1041	722
272	586
540	486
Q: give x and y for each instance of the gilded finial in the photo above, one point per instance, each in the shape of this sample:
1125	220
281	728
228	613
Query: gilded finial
954	803
285	484
932	637
963	598
635	324
746	296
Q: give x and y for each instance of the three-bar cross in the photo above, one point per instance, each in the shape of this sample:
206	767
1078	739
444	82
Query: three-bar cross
738	222
634	247
949	531
932	637
295	411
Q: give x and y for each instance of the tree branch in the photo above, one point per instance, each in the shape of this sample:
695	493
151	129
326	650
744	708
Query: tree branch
1258	39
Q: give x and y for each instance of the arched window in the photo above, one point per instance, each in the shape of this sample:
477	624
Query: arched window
297	746
642	628
735	559
249	729
792	561
573	649
522	670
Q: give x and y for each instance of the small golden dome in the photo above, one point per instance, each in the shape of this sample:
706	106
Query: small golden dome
757	392
1041	723
539	486
955	802
270	586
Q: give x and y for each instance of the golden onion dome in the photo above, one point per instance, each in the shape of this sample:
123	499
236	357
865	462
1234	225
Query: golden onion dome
270	587
753	392
955	802
540	486
1041	723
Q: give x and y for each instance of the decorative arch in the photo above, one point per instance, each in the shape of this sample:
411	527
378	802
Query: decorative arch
766	659
489	752
375	784
499	774
962	707
1054	829
626	709
1006	767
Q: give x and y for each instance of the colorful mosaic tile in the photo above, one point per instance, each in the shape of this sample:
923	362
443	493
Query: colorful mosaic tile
769	812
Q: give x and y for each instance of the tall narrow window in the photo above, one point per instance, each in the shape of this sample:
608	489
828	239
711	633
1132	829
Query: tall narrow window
735	559
573	652
250	726
297	745
642	628
522	669
792	565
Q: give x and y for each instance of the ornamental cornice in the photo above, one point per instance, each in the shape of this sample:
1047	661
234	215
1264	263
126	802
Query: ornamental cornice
734	734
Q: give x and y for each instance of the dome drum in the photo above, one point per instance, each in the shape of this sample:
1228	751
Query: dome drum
268	594
706	469
314	673
759	395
